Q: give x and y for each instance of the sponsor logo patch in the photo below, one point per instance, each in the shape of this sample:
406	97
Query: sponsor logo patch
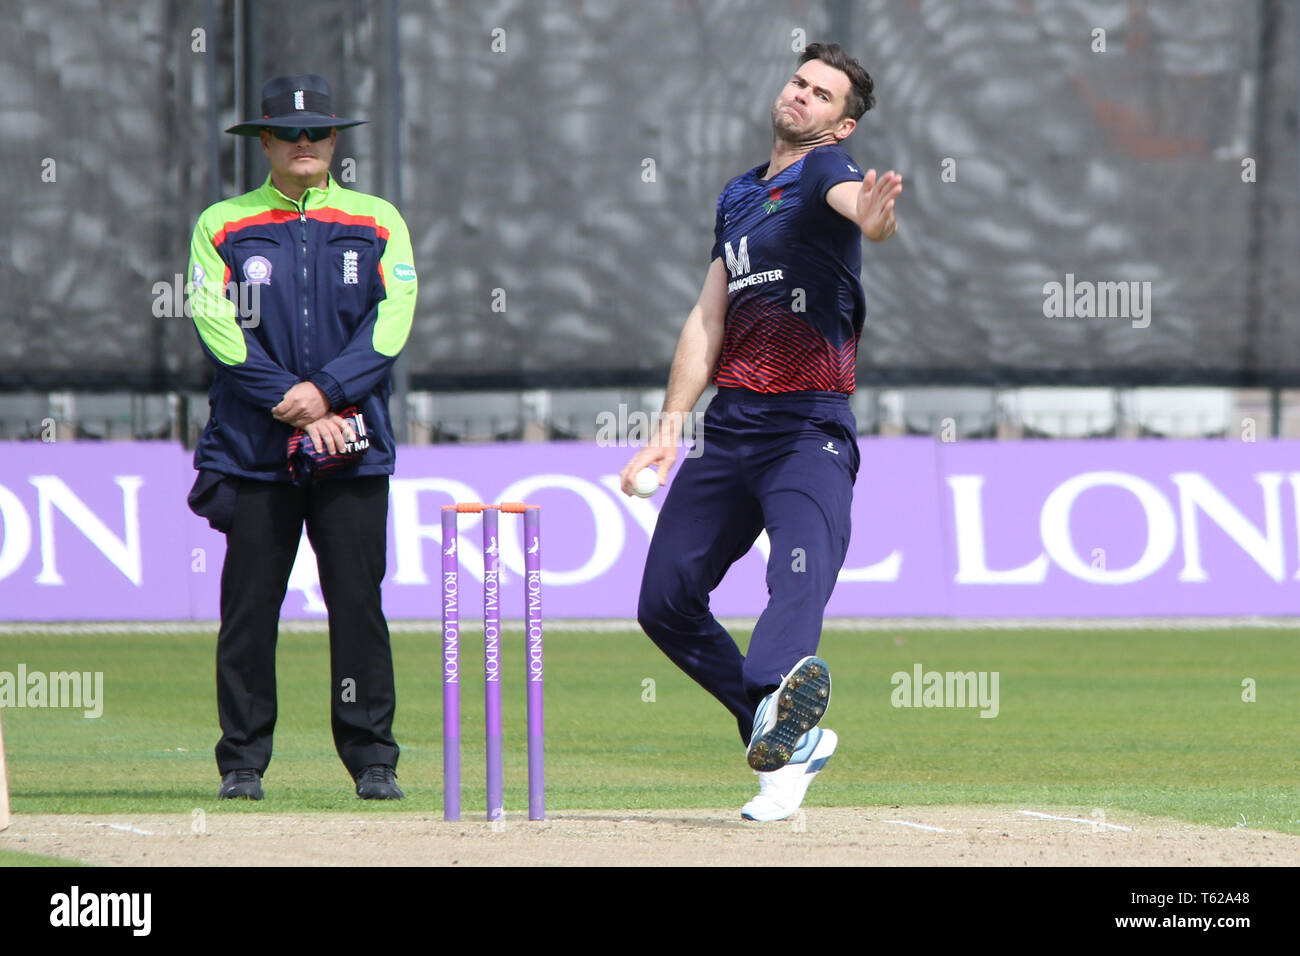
257	270
404	272
196	279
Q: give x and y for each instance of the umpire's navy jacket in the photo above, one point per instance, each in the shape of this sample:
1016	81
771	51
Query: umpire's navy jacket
322	290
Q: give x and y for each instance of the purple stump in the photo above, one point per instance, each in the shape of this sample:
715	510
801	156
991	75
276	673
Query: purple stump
533	657
492	663
450	668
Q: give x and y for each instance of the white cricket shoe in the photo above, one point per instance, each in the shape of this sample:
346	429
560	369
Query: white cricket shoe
783	717
781	792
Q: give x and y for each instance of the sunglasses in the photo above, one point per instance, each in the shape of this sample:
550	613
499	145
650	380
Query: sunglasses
290	135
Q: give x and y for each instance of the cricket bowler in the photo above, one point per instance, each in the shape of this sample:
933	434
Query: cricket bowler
776	329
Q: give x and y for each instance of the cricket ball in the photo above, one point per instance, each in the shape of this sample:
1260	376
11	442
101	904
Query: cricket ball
647	482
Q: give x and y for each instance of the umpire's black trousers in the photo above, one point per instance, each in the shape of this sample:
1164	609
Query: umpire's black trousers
347	524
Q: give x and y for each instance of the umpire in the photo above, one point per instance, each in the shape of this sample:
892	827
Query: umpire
302	293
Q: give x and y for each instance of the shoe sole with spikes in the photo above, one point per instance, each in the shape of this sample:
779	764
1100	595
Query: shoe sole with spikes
800	702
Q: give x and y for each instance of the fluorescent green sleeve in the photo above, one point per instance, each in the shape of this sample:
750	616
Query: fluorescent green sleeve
225	336
215	316
397	309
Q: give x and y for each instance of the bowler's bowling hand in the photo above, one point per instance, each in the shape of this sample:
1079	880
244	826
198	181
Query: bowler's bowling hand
875	213
302	405
663	456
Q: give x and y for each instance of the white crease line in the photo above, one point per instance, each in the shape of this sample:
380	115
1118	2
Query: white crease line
919	826
1091	823
122	827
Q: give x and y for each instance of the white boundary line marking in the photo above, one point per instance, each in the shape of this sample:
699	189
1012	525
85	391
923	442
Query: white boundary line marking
600	625
1091	823
919	826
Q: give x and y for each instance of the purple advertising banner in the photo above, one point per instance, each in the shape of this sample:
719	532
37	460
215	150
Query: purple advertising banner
1093	528
969	529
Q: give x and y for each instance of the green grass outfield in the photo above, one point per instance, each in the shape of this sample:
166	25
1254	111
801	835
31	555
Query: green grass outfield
14	858
1140	720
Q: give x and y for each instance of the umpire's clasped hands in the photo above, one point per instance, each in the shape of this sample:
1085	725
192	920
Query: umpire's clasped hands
305	406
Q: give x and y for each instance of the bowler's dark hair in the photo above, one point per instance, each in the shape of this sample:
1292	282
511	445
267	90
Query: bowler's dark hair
859	99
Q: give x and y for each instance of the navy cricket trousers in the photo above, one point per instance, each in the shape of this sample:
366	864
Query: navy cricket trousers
781	462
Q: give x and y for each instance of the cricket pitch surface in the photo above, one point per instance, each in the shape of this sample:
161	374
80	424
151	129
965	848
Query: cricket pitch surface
833	836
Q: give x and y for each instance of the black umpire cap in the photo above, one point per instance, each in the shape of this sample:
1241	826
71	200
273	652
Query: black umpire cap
294	101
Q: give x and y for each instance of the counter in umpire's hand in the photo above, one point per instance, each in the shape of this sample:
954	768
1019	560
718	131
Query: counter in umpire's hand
332	443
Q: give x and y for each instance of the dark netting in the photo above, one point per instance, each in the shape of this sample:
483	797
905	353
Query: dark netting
95	128
546	256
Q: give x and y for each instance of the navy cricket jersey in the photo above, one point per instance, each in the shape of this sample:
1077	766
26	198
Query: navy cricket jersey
795	305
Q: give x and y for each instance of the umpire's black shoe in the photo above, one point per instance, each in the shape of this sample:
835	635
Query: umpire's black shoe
241	784
378	782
